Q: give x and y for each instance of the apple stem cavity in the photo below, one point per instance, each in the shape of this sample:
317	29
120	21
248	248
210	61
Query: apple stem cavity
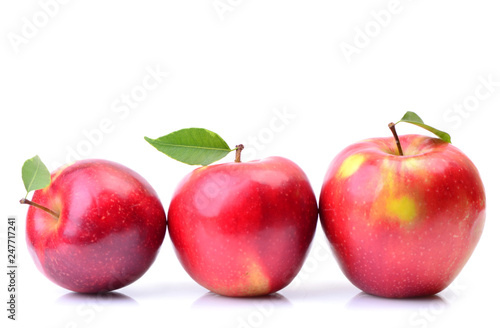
239	148
392	126
43	208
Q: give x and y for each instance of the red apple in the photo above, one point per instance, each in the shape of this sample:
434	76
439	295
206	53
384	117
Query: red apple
109	228
402	226
243	229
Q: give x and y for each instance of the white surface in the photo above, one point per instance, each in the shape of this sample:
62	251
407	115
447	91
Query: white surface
235	74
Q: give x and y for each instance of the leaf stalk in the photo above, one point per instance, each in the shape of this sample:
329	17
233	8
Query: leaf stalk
392	126
43	208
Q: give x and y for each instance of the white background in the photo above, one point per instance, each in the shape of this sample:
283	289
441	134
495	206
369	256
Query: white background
268	73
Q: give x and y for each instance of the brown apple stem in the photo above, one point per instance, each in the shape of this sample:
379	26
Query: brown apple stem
43	208
239	148
392	126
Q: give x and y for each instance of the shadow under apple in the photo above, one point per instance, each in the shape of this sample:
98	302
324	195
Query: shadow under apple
211	299
100	299
364	301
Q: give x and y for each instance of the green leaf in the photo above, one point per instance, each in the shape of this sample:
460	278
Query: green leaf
411	117
35	174
193	146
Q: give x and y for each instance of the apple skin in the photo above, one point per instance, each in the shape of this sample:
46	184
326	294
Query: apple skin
402	226
243	229
110	228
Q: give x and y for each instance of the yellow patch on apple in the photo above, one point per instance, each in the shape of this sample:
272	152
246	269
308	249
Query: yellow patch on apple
350	165
411	164
256	281
404	208
251	282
